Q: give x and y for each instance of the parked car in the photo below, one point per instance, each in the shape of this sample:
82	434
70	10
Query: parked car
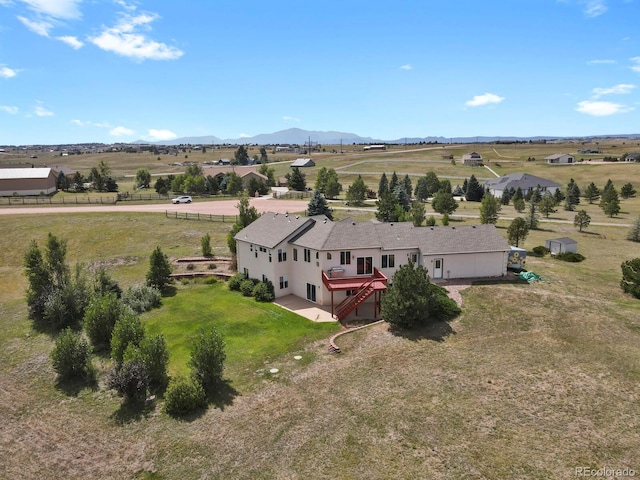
181	199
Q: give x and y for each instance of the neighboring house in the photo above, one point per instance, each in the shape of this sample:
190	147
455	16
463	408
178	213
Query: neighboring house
346	263
284	148
224	161
375	147
27	181
560	158
525	181
63	169
561	245
472	159
246	173
303	162
632	157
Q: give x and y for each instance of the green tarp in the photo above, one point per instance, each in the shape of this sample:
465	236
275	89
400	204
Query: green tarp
530	277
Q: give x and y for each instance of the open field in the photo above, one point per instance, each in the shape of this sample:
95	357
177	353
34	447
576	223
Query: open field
530	381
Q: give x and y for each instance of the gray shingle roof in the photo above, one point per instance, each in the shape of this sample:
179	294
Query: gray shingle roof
272	228
461	239
522	180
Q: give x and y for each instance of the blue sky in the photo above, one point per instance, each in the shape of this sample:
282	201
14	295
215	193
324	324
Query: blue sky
108	71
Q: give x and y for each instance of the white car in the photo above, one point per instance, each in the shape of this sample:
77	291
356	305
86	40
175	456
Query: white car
182	199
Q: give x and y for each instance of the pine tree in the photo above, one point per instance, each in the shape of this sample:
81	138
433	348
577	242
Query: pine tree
159	274
296	180
383	186
321	180
408	188
474	192
634	232
592	193
627	191
403	199
547	204
418	213
572	196
421	192
532	216
489	209
433	183
357	192
333	187
387	207
610	203
394	182
318	206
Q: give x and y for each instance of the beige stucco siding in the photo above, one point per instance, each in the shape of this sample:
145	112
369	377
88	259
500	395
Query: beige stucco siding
470	265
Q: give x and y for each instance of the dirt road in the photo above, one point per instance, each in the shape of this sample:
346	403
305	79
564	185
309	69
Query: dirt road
222	207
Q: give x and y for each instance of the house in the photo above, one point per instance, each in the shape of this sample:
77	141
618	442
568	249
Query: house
559	158
224	161
303	162
374	147
561	245
632	157
27	181
347	263
525	181
472	159
246	173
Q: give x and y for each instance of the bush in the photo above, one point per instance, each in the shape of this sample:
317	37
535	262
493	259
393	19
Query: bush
207	358
570	257
142	298
71	355
205	243
445	219
127	331
101	316
153	353
246	287
441	305
539	251
431	221
212	266
210	280
235	281
190	266
184	396
130	380
264	292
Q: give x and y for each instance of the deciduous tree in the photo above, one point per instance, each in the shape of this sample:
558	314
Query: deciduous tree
489	209
444	203
581	220
517	231
207	358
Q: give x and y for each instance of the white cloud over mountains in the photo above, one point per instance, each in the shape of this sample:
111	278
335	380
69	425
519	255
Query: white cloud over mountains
601	109
486	99
161	134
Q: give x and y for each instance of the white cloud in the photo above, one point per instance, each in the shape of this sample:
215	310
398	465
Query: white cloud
43	112
41	28
9	109
6	72
244	135
636	66
601	109
620	89
594	8
79	123
406	67
123	39
121	132
600	62
73	42
66	9
287	118
485	99
161	134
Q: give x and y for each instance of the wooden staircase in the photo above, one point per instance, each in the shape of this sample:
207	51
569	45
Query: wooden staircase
352	302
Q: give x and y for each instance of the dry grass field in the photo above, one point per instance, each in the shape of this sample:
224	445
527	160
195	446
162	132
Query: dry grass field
531	381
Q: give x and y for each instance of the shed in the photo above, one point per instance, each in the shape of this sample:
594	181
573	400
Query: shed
561	245
559	158
27	181
303	162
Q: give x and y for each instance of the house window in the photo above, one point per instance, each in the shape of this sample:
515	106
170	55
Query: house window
317	255
256	253
264	277
345	258
328	255
295	254
282	255
414	258
284	282
246	273
364	265
269	256
350	292
307	255
388	261
251	247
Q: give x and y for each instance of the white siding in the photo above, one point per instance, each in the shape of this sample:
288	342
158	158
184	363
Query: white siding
470	265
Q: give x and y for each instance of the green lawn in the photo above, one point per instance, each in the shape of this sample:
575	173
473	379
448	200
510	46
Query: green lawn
254	332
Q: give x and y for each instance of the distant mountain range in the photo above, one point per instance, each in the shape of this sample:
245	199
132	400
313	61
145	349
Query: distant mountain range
300	137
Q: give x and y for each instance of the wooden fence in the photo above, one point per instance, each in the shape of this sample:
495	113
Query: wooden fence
202	217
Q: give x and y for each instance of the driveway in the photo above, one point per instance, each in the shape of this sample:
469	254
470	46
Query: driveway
222	207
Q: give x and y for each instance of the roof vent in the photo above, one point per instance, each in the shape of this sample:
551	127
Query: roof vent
392	224
353	223
286	214
473	226
325	221
297	217
453	228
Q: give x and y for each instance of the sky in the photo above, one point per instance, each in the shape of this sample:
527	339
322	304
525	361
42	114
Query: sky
79	71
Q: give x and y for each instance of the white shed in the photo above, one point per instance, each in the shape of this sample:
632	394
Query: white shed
561	245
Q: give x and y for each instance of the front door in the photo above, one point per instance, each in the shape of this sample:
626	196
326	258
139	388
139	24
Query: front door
311	293
437	268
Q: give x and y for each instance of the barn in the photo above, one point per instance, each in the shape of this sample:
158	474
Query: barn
27	181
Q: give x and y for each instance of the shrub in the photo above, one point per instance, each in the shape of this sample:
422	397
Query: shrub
153	353
539	251
235	281
246	287
445	219
207	358
205	243
184	396
210	280
264	292
130	380
431	221
127	331
71	355
101	316
190	266
212	266
630	282
570	257
141	298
